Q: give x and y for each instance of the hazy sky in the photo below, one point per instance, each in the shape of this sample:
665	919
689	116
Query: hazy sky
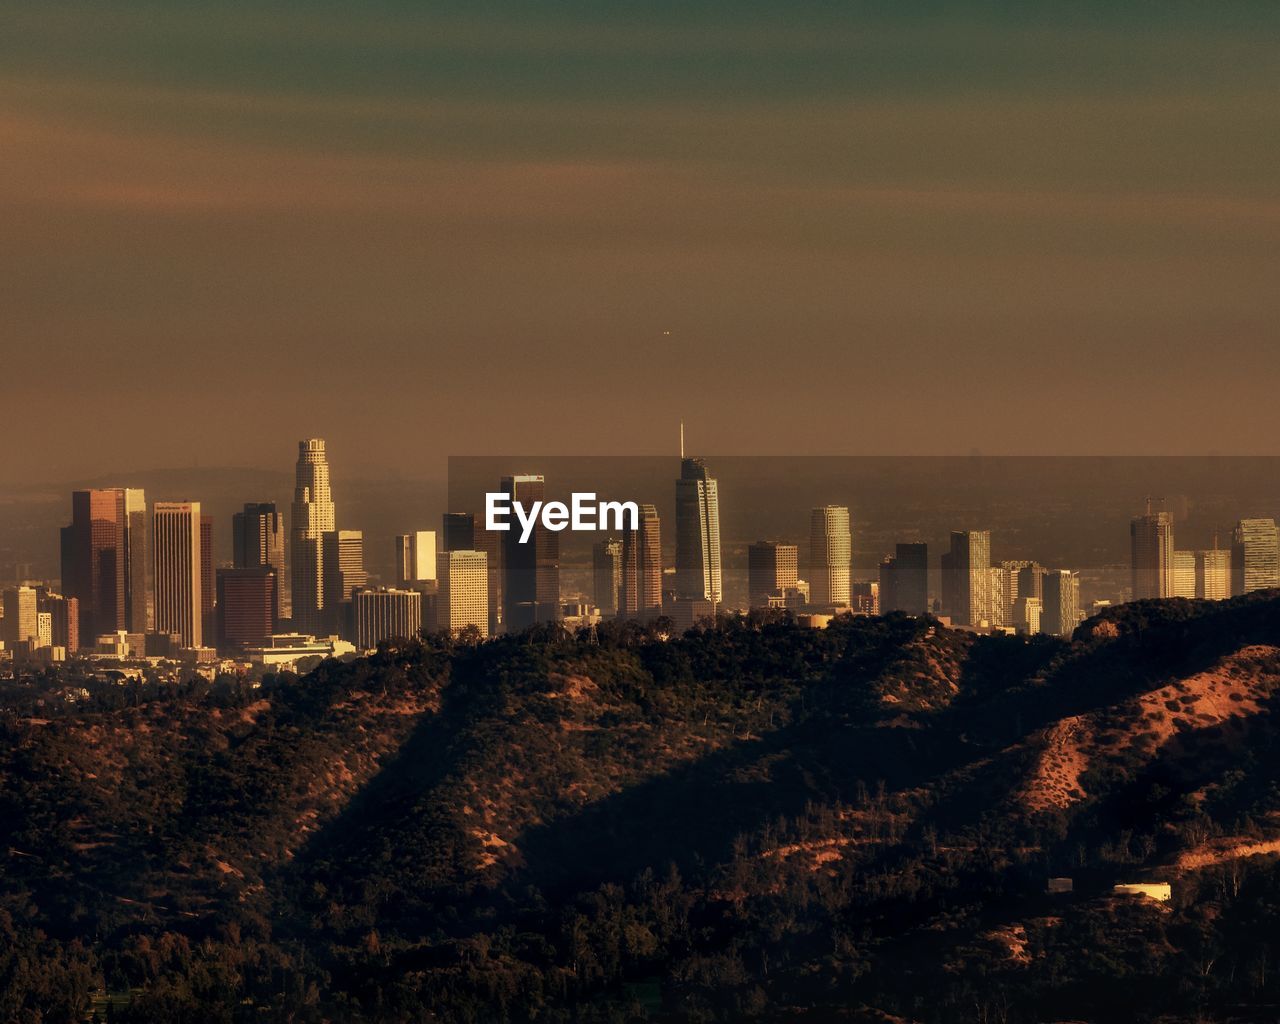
418	229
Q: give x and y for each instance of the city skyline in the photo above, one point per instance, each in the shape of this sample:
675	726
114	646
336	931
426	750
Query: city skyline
190	600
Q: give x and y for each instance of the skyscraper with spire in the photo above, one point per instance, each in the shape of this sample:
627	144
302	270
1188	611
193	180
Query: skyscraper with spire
698	575
312	517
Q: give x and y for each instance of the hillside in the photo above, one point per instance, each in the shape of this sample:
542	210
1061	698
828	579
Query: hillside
757	822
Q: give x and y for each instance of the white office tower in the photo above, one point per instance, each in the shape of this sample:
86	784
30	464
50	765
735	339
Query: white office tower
21	616
416	558
1184	574
385	614
464	592
1255	556
1213	575
175	540
312	517
698	575
830	554
139	612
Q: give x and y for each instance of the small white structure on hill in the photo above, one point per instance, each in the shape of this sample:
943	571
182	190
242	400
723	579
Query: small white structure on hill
1160	891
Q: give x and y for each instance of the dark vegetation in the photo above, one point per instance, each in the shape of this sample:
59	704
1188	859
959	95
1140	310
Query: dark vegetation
751	822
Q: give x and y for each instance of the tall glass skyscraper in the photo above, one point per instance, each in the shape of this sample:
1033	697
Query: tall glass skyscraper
640	593
312	517
176	541
139	612
95	563
257	539
830	555
1151	552
966	577
1255	556
698	575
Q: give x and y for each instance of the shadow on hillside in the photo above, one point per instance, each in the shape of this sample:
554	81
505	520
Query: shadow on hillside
687	816
1163	640
692	814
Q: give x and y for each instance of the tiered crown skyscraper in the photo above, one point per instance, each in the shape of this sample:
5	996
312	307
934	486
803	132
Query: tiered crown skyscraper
312	517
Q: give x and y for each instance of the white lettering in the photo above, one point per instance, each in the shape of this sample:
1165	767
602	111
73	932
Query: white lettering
632	510
527	523
555	516
583	506
495	504
583	513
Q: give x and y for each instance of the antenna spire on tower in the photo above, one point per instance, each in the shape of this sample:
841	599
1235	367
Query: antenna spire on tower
682	439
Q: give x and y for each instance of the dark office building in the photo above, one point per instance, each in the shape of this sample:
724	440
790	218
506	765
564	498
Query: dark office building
459	532
208	587
531	585
904	580
246	606
257	538
94	561
771	569
64	618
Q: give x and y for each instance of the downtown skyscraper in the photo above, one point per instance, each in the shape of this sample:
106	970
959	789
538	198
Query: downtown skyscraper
772	570
257	539
531	570
464	592
966	577
830	556
606	575
1213	575
312	516
139	612
698	571
640	595
415	558
1255	556
1060	608
105	563
904	580
176	543
1151	554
